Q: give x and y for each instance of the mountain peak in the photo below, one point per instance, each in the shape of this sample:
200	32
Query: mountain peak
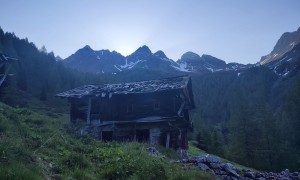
190	56
213	60
160	54
144	50
58	58
87	47
285	43
85	50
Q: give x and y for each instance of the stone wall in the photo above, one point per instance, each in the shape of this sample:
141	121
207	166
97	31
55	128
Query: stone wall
229	171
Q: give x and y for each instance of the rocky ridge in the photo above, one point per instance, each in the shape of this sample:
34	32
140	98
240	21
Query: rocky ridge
286	43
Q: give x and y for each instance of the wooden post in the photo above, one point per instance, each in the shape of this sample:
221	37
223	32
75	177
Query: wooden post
72	116
114	135
88	118
134	137
168	140
100	134
154	136
179	139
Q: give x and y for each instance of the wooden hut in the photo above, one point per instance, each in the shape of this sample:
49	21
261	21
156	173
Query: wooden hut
154	111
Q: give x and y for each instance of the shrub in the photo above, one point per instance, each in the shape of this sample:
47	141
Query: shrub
19	171
74	160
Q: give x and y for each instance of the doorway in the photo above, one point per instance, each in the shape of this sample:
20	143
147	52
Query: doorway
142	135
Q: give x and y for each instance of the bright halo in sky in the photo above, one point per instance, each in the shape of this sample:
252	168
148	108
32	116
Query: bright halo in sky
125	50
127	42
124	40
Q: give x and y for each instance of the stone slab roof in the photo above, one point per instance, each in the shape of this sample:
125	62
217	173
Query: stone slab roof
149	86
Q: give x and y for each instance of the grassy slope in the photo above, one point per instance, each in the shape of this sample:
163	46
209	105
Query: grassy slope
36	145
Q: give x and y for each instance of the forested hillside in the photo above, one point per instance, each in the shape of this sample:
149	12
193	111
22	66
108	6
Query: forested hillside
249	116
37	72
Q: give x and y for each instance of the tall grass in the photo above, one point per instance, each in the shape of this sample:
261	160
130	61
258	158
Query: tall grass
35	145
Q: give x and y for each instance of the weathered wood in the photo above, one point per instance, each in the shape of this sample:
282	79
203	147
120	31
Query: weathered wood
72	113
100	135
179	112
168	140
179	136
134	137
157	116
88	118
154	136
184	139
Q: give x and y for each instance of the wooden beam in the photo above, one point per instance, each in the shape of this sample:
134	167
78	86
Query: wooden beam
154	135
100	135
88	118
179	112
72	113
134	137
168	140
179	138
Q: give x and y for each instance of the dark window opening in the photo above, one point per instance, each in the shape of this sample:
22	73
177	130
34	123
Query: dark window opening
107	136
156	106
186	115
129	108
164	138
95	106
142	135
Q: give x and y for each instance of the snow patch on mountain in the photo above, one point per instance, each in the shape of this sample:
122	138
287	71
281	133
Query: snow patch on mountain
131	64
211	69
182	67
117	68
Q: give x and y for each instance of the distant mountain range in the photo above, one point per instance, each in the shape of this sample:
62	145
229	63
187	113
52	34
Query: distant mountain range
281	60
104	61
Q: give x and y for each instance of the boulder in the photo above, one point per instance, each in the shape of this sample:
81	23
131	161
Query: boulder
215	165
250	174
213	159
199	159
203	167
207	159
220	172
261	178
228	167
226	177
228	171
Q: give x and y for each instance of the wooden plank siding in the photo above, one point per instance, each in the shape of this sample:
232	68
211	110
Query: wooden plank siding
158	116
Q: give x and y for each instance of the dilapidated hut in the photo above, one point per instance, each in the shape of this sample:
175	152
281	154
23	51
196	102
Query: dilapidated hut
154	111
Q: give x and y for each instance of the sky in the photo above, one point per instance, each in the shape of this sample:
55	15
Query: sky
232	30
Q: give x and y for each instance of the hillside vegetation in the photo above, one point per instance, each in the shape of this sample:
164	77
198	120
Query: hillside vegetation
251	118
35	145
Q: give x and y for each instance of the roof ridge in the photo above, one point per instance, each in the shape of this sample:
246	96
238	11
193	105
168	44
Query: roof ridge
148	86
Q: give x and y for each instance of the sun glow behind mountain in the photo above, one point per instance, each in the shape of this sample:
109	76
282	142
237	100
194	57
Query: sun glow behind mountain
126	50
126	40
